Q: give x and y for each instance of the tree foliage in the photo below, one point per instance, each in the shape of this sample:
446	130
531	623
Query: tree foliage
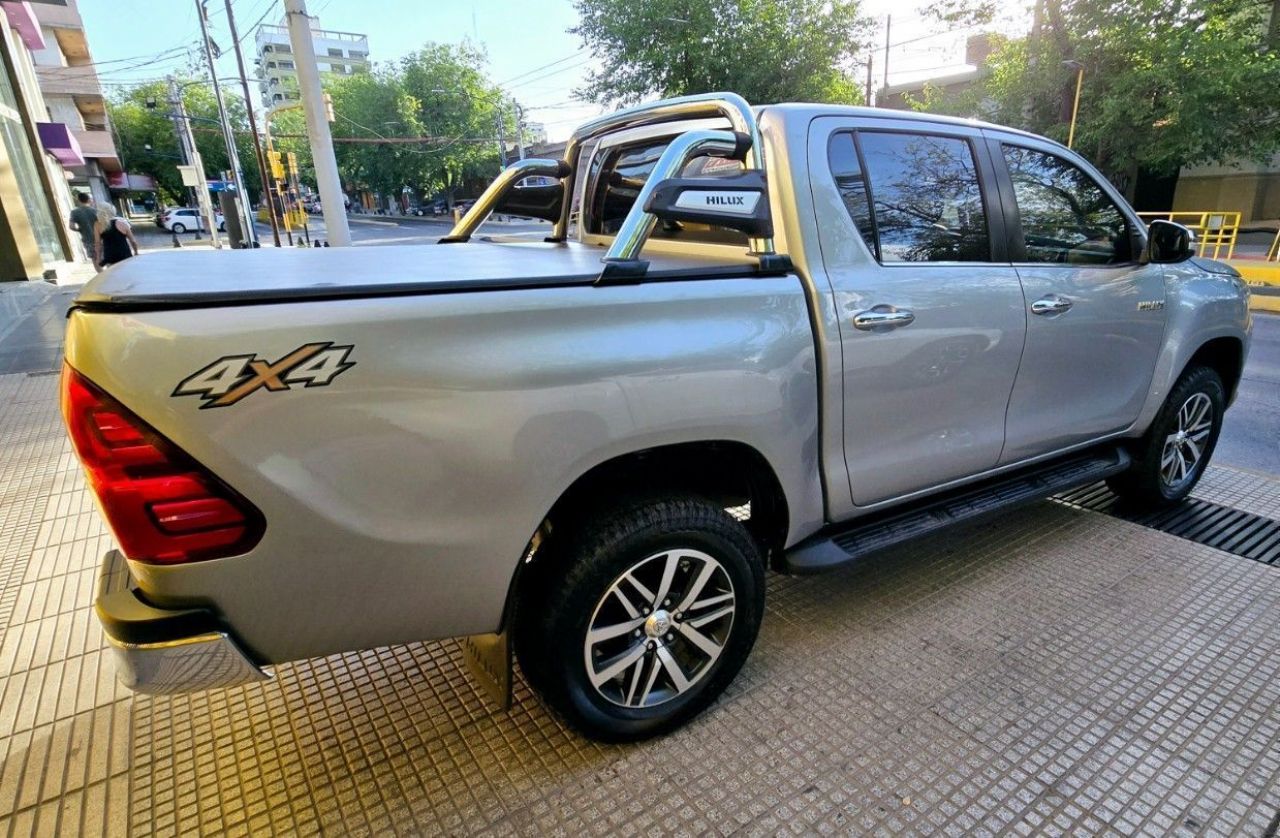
438	98
1166	83
138	125
766	50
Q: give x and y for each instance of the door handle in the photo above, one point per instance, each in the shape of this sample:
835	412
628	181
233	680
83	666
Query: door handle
1052	304
882	318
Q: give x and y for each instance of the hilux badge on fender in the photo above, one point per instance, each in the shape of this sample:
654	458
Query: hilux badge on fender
232	377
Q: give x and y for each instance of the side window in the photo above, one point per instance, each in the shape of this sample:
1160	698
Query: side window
925	197
1065	215
842	156
618	175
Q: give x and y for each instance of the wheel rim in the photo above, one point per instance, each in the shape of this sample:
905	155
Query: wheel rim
1184	448
659	628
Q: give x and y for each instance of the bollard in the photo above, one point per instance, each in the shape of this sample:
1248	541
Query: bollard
315	243
176	241
324	243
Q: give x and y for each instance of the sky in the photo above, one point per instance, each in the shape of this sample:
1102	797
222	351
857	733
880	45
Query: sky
531	53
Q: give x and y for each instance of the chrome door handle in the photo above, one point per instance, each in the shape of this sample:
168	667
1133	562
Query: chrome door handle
882	318
1052	304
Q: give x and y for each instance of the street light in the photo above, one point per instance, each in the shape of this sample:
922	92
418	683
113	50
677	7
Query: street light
1075	107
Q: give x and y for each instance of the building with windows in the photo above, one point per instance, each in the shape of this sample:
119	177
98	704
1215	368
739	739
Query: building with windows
337	53
73	96
53	134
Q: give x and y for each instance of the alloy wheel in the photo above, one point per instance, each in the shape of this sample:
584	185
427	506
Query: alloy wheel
1185	447
659	628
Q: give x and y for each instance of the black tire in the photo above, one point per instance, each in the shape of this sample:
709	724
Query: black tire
574	586
1145	485
179	228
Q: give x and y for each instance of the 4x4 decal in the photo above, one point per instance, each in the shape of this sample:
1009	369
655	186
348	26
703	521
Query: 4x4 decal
232	377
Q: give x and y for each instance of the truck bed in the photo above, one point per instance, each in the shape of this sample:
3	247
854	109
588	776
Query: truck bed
169	279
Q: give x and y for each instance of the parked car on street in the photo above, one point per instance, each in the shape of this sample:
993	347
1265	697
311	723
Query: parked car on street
904	322
432	208
181	219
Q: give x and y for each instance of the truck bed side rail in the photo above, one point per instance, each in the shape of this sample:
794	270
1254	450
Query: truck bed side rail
502	184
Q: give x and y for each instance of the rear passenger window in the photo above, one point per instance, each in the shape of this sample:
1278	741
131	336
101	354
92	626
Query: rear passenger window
1065	215
618	175
925	198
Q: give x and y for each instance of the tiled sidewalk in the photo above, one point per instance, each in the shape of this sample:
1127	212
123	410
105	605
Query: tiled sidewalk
1059	671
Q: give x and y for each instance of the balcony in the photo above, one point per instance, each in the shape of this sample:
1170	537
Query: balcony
96	143
75	81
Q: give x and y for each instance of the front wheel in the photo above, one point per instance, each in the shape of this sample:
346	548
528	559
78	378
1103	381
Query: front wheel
1171	457
643	618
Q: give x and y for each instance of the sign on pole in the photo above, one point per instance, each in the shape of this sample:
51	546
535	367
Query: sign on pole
190	177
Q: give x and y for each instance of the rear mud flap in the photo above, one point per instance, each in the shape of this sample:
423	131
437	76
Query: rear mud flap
489	661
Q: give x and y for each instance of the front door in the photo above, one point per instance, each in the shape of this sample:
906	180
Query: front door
930	313
1095	315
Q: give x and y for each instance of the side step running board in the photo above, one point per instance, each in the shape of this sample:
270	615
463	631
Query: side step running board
863	536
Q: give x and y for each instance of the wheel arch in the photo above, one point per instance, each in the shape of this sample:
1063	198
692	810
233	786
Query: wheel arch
1225	356
732	473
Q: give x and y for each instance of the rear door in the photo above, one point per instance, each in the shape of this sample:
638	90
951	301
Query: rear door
1095	315
930	311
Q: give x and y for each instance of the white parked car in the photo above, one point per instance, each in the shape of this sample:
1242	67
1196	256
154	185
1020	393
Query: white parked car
182	219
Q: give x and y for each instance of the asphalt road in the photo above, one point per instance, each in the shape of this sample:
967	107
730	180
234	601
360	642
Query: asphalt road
1251	432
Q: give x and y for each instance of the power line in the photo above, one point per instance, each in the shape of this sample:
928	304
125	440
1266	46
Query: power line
552	73
542	67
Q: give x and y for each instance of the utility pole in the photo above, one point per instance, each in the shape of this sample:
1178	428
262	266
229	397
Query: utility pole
335	214
888	21
253	126
192	155
520	127
502	141
228	136
869	60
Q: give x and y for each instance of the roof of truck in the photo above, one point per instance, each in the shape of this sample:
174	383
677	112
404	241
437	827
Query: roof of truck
811	110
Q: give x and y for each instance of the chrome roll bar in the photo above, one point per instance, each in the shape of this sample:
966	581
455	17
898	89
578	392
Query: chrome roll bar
503	183
728	105
638	224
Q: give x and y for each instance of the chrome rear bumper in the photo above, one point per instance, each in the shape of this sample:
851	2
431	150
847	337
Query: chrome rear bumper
161	650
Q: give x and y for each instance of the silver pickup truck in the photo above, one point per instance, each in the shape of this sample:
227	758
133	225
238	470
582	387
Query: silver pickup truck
756	339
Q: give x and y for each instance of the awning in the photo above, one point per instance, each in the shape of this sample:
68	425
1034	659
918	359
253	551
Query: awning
24	22
57	139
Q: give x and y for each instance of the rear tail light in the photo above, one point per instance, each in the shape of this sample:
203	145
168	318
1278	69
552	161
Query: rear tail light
163	506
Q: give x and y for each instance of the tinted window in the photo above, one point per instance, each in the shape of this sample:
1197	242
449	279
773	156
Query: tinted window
842	155
618	175
926	198
1065	215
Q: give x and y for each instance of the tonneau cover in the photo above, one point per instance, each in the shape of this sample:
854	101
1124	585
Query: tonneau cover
178	279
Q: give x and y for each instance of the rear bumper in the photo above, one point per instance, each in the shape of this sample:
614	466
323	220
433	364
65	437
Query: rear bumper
166	650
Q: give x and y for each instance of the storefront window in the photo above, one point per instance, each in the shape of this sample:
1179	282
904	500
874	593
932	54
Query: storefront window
24	169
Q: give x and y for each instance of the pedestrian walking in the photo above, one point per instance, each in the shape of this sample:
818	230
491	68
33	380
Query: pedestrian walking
84	218
113	238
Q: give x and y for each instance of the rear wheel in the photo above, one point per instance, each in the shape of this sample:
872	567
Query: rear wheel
643	618
1171	457
179	227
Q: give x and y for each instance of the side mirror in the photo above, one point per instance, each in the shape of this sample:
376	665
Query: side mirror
740	202
1168	242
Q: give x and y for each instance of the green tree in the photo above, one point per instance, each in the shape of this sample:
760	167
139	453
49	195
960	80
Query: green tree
765	50
142	117
1167	83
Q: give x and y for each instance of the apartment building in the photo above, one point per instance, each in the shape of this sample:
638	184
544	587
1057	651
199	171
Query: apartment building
337	53
40	151
73	96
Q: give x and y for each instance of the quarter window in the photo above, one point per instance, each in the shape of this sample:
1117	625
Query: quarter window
1064	215
925	197
842	155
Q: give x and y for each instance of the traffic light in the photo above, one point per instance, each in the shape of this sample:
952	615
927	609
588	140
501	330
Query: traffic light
328	107
277	169
293	163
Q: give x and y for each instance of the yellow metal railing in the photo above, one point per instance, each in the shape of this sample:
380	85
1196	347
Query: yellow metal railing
1215	230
